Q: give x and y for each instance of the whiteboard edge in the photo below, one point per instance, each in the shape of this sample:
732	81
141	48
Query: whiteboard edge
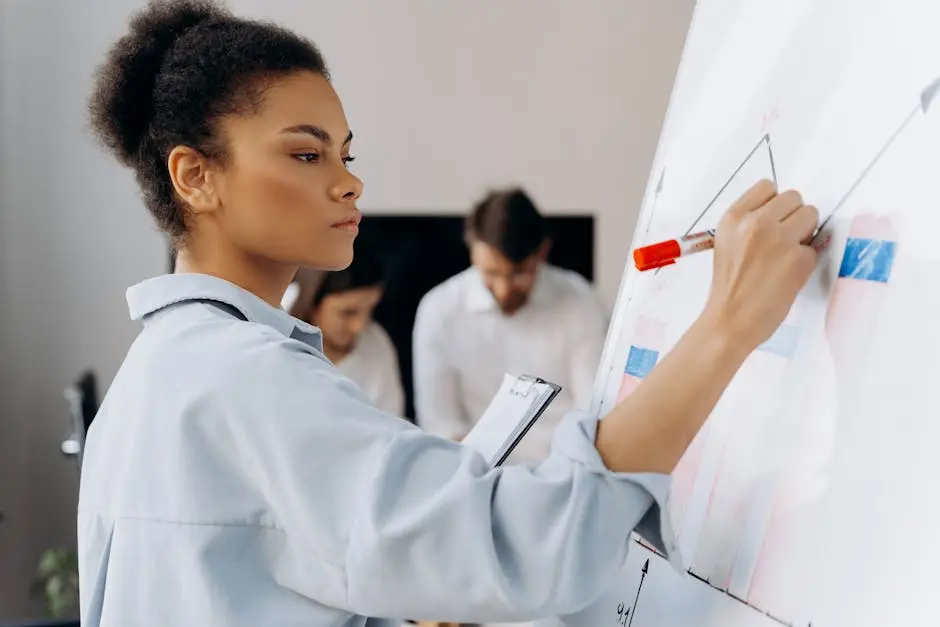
615	327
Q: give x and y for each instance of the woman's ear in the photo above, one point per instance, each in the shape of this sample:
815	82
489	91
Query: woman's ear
192	179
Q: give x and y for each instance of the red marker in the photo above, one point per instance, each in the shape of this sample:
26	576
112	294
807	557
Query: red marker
666	253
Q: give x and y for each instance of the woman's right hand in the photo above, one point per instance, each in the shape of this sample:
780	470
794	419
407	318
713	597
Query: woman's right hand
762	261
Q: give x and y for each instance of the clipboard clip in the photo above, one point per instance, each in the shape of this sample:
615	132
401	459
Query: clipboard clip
523	385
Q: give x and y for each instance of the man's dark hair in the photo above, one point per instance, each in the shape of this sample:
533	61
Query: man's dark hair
315	285
182	65
508	221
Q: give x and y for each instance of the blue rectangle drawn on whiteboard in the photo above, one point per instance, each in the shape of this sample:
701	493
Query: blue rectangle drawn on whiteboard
867	259
783	342
640	361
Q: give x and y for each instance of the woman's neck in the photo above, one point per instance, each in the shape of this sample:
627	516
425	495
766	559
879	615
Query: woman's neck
265	279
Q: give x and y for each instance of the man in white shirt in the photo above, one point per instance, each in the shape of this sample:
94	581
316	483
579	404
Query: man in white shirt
510	312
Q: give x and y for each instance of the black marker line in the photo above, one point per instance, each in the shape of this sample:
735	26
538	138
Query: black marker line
868	169
646	568
728	594
737	170
773	166
699	577
764	138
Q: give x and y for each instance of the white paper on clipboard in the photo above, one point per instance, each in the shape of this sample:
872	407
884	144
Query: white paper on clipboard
512	412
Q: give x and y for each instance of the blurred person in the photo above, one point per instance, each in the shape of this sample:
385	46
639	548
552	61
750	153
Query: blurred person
340	304
511	311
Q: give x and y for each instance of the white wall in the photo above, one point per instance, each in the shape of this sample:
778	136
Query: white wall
564	97
446	98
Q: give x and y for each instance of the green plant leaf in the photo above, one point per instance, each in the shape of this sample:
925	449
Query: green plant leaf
49	562
58	578
54	586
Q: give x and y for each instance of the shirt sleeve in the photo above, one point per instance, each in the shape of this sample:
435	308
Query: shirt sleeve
412	525
436	397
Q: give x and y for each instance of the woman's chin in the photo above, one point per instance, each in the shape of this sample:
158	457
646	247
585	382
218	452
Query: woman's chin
338	259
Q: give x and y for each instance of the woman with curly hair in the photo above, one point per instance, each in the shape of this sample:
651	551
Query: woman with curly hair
234	477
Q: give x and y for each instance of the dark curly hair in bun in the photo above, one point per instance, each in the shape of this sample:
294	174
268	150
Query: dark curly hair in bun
183	65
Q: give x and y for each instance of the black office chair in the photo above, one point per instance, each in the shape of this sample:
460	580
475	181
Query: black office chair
82	397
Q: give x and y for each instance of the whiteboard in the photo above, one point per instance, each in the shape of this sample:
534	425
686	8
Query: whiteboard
809	497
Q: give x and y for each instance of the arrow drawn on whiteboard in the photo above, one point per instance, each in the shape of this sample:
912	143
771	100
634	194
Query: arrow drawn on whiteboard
926	99
868	168
646	569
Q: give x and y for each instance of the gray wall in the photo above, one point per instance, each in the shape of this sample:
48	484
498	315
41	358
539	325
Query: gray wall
73	237
575	118
9	427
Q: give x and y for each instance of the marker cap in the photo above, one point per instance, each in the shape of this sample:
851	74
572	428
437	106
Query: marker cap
657	255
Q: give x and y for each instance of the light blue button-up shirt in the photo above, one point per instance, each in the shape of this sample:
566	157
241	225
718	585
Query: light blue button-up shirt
233	477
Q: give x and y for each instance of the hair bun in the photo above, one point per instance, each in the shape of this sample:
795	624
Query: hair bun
121	107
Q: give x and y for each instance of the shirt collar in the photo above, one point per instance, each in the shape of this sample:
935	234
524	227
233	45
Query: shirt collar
160	292
479	298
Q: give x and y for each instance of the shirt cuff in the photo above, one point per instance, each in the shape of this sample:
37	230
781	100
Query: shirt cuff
575	439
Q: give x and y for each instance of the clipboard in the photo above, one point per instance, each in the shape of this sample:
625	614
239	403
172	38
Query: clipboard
517	405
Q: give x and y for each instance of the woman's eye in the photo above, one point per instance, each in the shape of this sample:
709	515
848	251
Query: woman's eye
348	160
308	157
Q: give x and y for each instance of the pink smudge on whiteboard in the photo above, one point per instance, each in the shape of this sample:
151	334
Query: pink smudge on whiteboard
854	304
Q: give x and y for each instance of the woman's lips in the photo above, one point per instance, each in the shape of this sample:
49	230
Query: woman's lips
350	225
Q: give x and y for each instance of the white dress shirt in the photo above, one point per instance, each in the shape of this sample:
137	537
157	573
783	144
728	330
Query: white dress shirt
373	366
463	345
233	477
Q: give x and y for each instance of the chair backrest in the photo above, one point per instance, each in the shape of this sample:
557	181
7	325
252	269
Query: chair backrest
88	386
82	397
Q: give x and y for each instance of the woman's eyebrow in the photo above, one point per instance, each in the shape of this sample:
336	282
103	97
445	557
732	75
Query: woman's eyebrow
316	131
